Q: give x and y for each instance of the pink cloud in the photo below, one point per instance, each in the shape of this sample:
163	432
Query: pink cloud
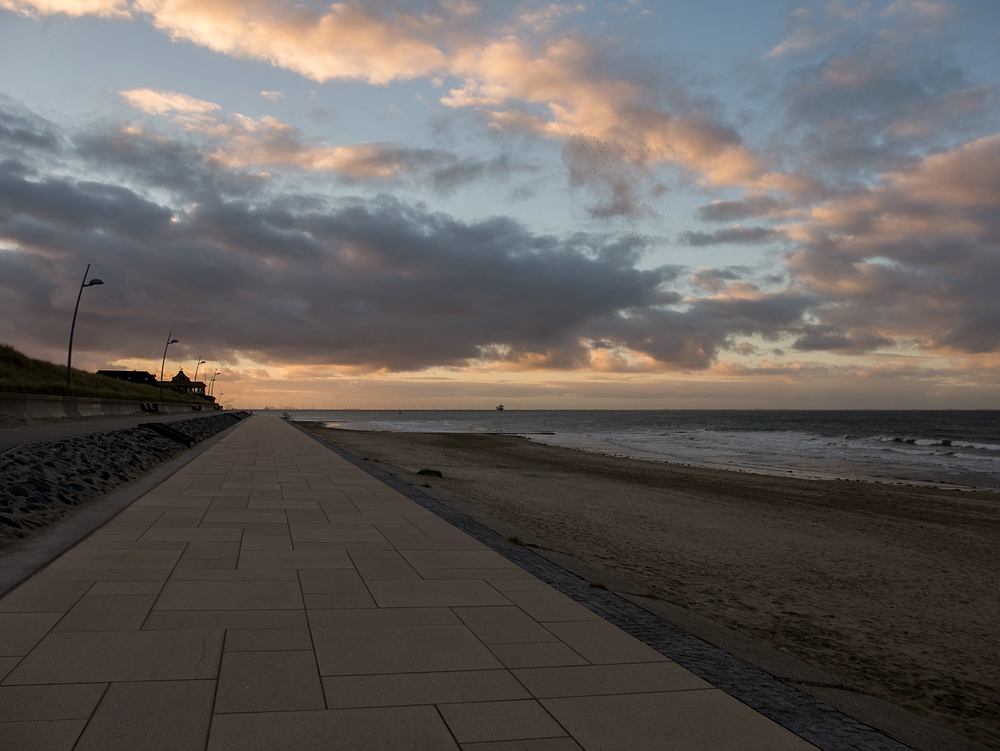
565	77
72	8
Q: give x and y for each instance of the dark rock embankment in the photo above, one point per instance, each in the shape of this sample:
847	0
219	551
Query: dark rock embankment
42	482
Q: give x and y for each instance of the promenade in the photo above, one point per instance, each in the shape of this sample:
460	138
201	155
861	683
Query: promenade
270	595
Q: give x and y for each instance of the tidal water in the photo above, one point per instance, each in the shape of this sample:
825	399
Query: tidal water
945	448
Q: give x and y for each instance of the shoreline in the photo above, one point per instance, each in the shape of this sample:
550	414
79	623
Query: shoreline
797	474
891	454
892	588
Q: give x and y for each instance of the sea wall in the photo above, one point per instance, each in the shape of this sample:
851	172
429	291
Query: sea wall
41	482
35	406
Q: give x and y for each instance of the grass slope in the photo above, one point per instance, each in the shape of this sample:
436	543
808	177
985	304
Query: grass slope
21	374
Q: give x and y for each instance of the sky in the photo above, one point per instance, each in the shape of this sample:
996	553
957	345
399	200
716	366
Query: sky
453	204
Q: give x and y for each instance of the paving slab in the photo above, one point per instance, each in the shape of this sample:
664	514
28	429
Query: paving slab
40	735
690	720
152	716
60	702
407	689
120	656
272	681
391	729
500	721
535	744
272	595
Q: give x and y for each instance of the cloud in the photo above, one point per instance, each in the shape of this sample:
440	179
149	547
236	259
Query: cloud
377	285
861	104
240	271
154	102
913	257
826	339
802	39
967	176
22	129
538	17
840	9
754	206
72	8
919	9
274	96
343	41
370	285
563	88
614	137
734	234
242	142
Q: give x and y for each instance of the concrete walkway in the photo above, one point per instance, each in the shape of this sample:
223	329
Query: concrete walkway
270	595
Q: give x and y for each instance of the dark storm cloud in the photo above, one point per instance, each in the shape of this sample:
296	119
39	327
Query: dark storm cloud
916	257
233	264
735	234
83	205
378	284
692	338
147	160
828	339
728	211
21	128
716	280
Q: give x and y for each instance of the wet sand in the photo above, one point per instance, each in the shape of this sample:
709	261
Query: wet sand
896	590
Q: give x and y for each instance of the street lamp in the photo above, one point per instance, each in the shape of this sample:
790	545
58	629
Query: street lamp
200	363
164	360
220	400
72	328
211	390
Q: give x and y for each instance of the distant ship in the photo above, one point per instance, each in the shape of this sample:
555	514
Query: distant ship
499	408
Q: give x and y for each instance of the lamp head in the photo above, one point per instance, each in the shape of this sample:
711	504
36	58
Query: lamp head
173	341
94	282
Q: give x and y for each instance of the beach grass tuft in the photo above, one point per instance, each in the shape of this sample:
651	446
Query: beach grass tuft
20	374
430	473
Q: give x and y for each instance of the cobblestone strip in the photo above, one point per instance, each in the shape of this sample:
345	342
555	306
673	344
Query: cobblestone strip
807	717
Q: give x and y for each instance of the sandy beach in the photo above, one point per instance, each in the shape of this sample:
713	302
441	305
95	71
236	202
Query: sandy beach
894	589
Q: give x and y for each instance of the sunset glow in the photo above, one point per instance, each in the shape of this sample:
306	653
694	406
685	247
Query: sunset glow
447	203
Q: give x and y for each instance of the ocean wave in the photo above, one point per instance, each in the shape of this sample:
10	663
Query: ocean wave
929	442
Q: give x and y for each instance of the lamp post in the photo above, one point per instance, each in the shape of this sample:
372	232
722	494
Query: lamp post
211	391
72	328
200	363
164	360
222	394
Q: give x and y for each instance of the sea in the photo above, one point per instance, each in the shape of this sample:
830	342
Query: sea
951	449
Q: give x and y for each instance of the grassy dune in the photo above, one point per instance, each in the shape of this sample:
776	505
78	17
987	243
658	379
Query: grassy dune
21	374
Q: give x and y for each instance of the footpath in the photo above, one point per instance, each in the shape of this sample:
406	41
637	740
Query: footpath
271	595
